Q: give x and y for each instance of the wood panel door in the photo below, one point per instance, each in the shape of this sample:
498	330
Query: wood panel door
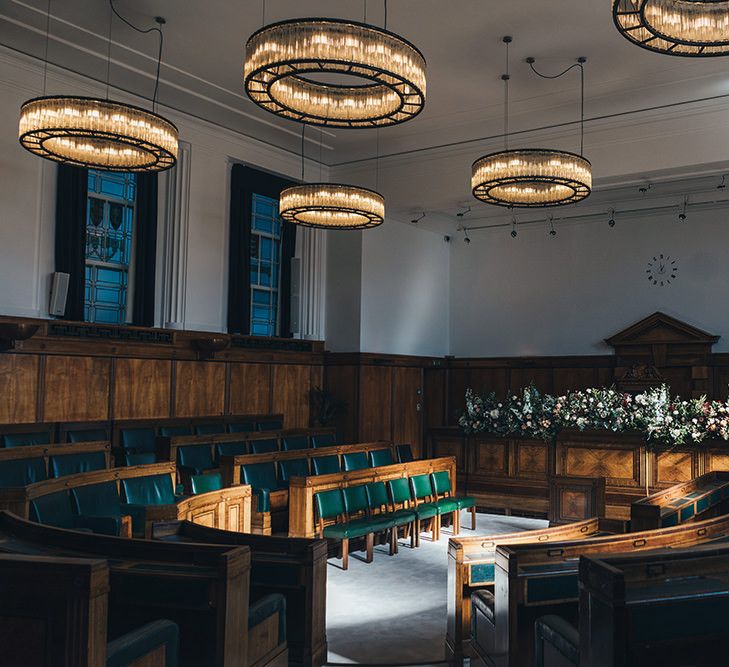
407	407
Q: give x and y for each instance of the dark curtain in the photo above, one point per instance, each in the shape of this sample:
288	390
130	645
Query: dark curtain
70	251
145	250
244	182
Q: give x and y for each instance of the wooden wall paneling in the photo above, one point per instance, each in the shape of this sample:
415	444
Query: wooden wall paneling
679	379
250	389
19	388
721	382
407	407
675	466
375	403
621	465
531	459
489	379
492	456
459	379
343	383
434	397
76	388
199	388
291	394
571	379
523	377
142	388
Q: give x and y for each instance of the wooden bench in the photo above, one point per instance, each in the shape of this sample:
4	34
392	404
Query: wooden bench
37	594
534	579
471	565
700	497
277	517
227	508
296	568
663	608
302	521
203	588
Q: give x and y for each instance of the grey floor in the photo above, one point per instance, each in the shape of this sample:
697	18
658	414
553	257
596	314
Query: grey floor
393	611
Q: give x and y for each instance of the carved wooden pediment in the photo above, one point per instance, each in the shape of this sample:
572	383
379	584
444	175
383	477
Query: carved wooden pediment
659	340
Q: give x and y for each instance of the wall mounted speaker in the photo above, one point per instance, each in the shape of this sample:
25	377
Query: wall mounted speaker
295	295
59	292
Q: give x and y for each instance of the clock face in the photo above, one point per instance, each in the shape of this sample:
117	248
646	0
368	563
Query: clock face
662	270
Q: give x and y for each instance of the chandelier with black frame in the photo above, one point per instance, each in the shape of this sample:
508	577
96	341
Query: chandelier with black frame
96	132
533	177
698	28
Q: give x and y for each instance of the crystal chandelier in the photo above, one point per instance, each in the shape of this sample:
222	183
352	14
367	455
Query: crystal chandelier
332	206
281	56
675	27
99	133
532	177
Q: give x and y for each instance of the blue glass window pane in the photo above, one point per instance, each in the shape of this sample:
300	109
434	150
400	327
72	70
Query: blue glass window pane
265	279
259	329
260	296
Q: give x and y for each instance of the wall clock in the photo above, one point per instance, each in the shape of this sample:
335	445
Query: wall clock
662	270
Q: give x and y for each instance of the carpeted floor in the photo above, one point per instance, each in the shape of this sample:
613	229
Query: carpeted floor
393	611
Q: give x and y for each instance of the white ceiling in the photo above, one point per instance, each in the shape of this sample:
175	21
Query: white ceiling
461	39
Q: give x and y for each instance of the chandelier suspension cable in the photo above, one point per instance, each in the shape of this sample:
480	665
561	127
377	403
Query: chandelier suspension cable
581	65
263	13
385	26
45	52
158	29
505	78
303	129
364	11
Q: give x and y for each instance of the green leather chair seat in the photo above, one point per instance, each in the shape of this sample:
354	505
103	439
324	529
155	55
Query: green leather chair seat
87	435
441	482
260	610
138	439
143	459
380	457
446	505
323	440
293	468
206	483
53	509
357	528
99	507
402	517
21	472
22	439
292	442
210	429
129	648
195	459
231	449
325	465
267	446
374	524
150	490
465	502
71	464
355	461
269	425
263	480
426	511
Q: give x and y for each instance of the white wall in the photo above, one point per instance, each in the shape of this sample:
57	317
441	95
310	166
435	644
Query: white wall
404	291
541	295
27	200
344	291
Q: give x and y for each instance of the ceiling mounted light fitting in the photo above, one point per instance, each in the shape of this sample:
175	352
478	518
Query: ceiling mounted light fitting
99	133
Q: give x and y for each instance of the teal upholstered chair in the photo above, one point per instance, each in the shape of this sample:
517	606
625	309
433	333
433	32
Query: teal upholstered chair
400	494
241	427
323	440
143	459
330	506
205	483
134	646
230	449
289	468
291	442
53	509
379	505
172	431
139	492
269	425
212	428
138	441
441	482
71	464
325	465
263	480
355	461
266	446
380	457
87	435
21	472
356	505
99	506
404	453
195	459
22	439
422	491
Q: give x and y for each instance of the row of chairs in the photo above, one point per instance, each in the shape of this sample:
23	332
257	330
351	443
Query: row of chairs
21	472
404	503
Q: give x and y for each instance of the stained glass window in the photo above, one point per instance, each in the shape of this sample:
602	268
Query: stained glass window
265	253
109	229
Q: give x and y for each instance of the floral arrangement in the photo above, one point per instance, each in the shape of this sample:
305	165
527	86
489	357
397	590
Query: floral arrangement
663	419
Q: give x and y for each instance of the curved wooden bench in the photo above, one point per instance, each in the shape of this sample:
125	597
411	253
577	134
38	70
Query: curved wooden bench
296	568
227	508
534	579
204	588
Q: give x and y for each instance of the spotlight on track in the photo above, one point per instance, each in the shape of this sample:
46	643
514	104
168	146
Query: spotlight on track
415	221
466	209
513	225
682	213
611	222
644	188
466	239
552	230
722	184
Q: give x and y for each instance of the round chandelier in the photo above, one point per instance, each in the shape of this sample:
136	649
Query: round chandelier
332	206
96	133
531	177
282	57
676	27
